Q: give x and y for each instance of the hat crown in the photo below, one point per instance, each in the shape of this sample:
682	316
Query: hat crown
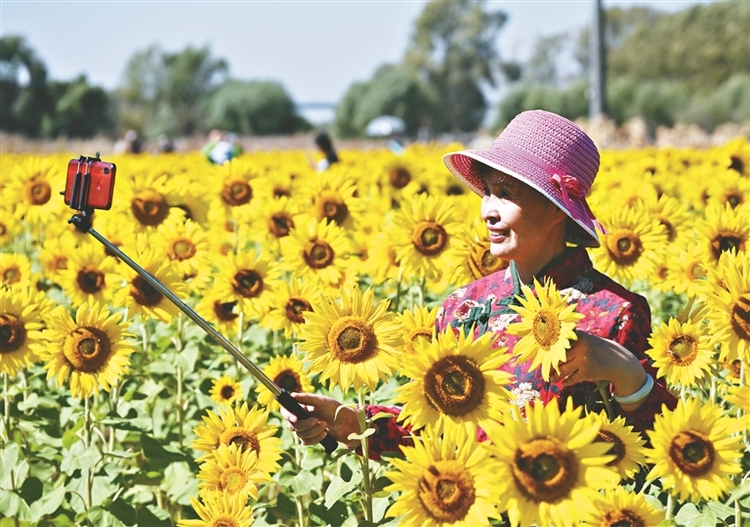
553	142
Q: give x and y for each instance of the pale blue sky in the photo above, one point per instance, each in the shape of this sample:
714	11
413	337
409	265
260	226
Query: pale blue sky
316	49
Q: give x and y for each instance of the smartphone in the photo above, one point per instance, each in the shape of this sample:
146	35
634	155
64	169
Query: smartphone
101	177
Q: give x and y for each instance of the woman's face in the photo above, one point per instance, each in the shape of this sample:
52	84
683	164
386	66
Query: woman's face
523	225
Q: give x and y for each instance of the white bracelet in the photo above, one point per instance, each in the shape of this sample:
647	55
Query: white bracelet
640	394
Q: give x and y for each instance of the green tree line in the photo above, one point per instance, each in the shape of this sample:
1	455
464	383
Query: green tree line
689	66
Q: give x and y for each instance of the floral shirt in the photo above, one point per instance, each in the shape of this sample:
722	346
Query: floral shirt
609	311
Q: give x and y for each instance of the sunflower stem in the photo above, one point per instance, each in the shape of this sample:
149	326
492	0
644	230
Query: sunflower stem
669	507
365	459
602	387
6	407
298	465
87	442
398	289
180	413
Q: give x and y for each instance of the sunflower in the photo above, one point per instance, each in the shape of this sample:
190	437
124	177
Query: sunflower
288	373
54	254
290	303
316	250
670	213
448	480
740	397
724	229
473	259
729	306
148	198
232	470
220	510
399	177
15	270
456	382
8	226
551	466
20	325
422	236
32	187
185	244
418	324
685	268
143	299
546	328
91	349
240	426
89	276
730	188
273	219
625	444
693	452
683	351
225	390
240	182
250	279
351	342
220	313
377	259
332	196
632	247
621	508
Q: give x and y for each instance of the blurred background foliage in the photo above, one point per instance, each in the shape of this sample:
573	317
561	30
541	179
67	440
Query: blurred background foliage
692	66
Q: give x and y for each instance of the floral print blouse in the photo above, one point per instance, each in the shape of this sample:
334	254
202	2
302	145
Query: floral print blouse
610	311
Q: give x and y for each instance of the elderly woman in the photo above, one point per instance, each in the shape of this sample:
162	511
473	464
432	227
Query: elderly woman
533	181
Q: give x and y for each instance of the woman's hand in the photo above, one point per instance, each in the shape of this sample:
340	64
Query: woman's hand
592	358
324	419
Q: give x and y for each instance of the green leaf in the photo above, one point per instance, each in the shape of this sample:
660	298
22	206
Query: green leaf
381	415
9	457
336	515
153	449
31	490
152	516
123	511
180	483
722	511
379	506
48	503
188	356
70	436
141	424
337	490
690	516
304	482
11	503
366	433
34	401
80	457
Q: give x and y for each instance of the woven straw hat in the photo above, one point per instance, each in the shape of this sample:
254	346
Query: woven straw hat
550	154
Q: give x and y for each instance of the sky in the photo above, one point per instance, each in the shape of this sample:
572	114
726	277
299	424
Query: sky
316	49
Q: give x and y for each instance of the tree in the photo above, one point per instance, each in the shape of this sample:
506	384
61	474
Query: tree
168	92
81	110
22	107
453	48
254	108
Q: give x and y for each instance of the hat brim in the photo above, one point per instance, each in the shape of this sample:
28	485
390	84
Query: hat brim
520	168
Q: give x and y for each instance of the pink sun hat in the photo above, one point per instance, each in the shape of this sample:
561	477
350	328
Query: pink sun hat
550	154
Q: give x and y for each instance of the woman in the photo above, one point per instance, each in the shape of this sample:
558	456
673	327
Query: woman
533	181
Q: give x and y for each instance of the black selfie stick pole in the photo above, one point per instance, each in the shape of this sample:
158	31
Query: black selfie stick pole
82	221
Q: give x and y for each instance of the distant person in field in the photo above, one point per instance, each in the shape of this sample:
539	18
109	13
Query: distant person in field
325	145
221	147
130	143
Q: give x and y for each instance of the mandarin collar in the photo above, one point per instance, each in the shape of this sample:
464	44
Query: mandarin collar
564	269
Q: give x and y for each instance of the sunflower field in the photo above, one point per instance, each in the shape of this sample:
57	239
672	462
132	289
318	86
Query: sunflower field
117	410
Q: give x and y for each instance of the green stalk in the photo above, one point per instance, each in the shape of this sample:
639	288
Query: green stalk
180	412
6	407
365	460
87	443
398	289
298	465
602	387
669	507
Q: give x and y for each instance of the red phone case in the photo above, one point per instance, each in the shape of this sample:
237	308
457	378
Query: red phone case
102	186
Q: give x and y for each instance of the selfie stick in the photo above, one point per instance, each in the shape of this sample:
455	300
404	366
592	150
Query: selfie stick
82	221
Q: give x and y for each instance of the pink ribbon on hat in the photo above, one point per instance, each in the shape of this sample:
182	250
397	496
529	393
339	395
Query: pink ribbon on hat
570	184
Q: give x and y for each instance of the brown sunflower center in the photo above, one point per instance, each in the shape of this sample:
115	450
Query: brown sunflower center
727	241
617	447
236	192
694	271
233	480
483	263
247	283
87	348
318	254
546	327
682	350
446	491
735	369
60	263
333	209
242	437
183	249
38	191
226	392
11	275
224	311
671	232
224	521
3	229
693	452
624	246
454	385
149	207
545	470
733	199
280	223
12	333
144	293
741	317
399	177
429	238
294	308
90	279
420	334
288	380
736	164
622	518
352	340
